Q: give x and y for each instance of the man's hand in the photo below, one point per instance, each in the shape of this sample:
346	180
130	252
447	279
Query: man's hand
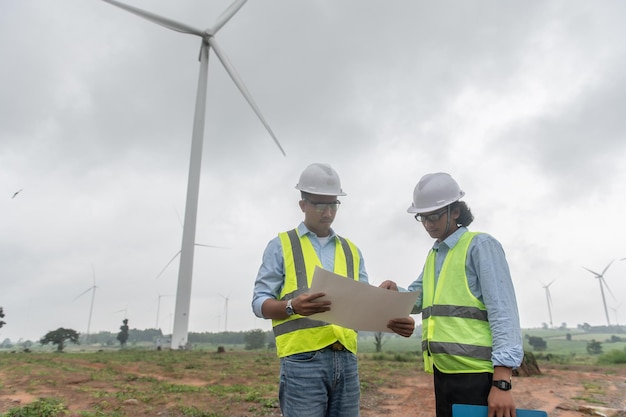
403	326
501	403
389	285
307	304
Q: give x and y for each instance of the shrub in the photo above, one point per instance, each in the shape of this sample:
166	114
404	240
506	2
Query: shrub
612	357
44	407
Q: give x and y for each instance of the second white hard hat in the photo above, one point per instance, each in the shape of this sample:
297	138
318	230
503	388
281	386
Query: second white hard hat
434	191
320	179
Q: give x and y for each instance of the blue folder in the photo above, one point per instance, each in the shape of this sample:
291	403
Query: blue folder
466	410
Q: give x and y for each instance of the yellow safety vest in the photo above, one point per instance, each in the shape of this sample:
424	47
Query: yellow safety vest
297	334
456	337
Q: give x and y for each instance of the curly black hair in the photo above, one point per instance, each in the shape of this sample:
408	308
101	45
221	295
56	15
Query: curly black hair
466	217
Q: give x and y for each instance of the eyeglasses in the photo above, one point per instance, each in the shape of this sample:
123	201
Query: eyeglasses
423	218
322	207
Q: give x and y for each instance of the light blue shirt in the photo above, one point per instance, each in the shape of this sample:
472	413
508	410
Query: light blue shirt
490	281
271	277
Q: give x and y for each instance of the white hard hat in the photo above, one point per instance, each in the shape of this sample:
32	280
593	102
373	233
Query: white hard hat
434	191
320	179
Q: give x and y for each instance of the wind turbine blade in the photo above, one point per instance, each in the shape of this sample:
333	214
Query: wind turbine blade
159	20
239	83
83	293
593	272
212	246
227	15
168	264
607	287
607	267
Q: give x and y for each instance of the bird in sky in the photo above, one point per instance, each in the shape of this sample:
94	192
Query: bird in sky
17	192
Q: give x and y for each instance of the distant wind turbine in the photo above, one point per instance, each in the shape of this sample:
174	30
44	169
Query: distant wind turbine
159	307
93	297
183	293
615	312
225	312
549	300
603	284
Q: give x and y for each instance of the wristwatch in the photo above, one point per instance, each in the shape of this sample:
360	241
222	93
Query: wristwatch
289	308
502	384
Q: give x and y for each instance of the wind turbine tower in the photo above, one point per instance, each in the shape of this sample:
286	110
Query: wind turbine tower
93	297
225	312
549	300
207	36
159	309
602	282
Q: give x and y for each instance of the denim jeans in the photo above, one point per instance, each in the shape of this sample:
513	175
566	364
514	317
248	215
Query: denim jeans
324	383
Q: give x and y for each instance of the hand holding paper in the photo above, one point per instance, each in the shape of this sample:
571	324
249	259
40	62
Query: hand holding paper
357	305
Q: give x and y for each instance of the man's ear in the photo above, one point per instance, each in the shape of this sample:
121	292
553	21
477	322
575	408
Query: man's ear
301	204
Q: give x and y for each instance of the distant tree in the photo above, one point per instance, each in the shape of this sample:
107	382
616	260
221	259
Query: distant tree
378	341
537	343
6	343
254	339
568	337
59	337
594	347
544	325
2	323
122	336
563	326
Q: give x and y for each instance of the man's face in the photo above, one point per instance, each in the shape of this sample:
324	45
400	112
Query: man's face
319	212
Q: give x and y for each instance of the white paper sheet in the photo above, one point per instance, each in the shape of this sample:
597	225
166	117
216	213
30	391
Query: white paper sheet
359	306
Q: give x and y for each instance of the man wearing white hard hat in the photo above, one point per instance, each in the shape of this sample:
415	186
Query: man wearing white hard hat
318	364
471	336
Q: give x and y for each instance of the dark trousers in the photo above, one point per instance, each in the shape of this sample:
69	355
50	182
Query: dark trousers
460	389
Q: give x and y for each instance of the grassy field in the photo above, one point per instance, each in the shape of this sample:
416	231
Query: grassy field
92	381
130	382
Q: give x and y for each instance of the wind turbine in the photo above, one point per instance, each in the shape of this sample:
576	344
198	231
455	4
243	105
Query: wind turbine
93	296
159	307
603	284
615	312
183	292
549	300
225	312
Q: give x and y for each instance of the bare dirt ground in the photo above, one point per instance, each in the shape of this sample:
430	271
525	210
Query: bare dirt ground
565	391
561	392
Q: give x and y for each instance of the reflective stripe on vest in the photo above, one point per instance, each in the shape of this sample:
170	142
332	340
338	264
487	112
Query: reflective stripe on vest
455	328
301	334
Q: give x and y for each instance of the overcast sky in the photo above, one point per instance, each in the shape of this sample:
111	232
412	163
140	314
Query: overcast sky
522	102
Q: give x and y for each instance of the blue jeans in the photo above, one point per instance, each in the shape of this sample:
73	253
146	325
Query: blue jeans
324	383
